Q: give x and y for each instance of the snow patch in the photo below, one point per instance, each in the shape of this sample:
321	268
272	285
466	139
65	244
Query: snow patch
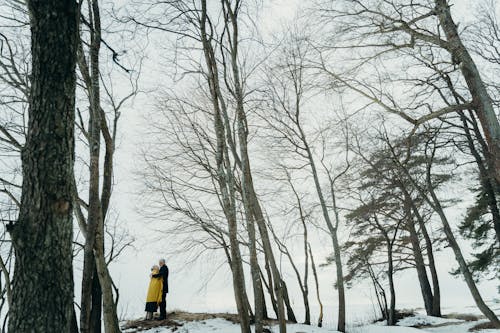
423	320
386	329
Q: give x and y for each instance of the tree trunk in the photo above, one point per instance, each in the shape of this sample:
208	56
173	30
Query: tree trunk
425	286
436	300
96	311
340	282
110	315
74	322
225	177
283	249
391	320
252	200
379	292
477	88
269	287
42	293
436	205
258	293
331	228
463	264
316	282
305	289
289	310
266	243
265	315
238	278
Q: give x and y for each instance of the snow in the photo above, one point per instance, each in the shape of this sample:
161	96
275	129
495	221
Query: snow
423	320
385	329
220	325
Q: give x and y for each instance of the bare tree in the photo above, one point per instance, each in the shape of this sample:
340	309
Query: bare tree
393	28
287	87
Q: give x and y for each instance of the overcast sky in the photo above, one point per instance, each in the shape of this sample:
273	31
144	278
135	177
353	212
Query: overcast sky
187	289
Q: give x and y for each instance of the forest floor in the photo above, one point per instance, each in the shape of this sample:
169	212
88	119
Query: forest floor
185	322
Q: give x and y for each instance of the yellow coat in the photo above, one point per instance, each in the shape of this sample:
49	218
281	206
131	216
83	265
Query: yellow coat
155	288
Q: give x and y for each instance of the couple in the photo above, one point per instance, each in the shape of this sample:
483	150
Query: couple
157	291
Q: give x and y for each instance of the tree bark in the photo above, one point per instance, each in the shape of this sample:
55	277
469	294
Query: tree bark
42	294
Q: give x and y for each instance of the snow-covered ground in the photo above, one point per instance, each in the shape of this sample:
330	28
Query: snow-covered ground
425	323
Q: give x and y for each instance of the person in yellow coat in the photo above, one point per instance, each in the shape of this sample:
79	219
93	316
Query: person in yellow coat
153	299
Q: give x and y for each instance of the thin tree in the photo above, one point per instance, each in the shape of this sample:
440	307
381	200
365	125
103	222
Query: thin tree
287	88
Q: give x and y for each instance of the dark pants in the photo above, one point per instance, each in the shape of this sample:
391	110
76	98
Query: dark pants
163	306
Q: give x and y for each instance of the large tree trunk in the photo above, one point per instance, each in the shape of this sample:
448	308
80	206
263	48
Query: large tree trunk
477	88
42	293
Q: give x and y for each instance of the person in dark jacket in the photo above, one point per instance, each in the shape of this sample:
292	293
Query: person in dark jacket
163	273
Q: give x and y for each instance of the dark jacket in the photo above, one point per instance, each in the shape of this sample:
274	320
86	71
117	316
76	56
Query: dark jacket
163	273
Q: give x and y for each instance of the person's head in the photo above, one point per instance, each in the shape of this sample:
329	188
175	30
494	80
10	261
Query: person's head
155	269
161	262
